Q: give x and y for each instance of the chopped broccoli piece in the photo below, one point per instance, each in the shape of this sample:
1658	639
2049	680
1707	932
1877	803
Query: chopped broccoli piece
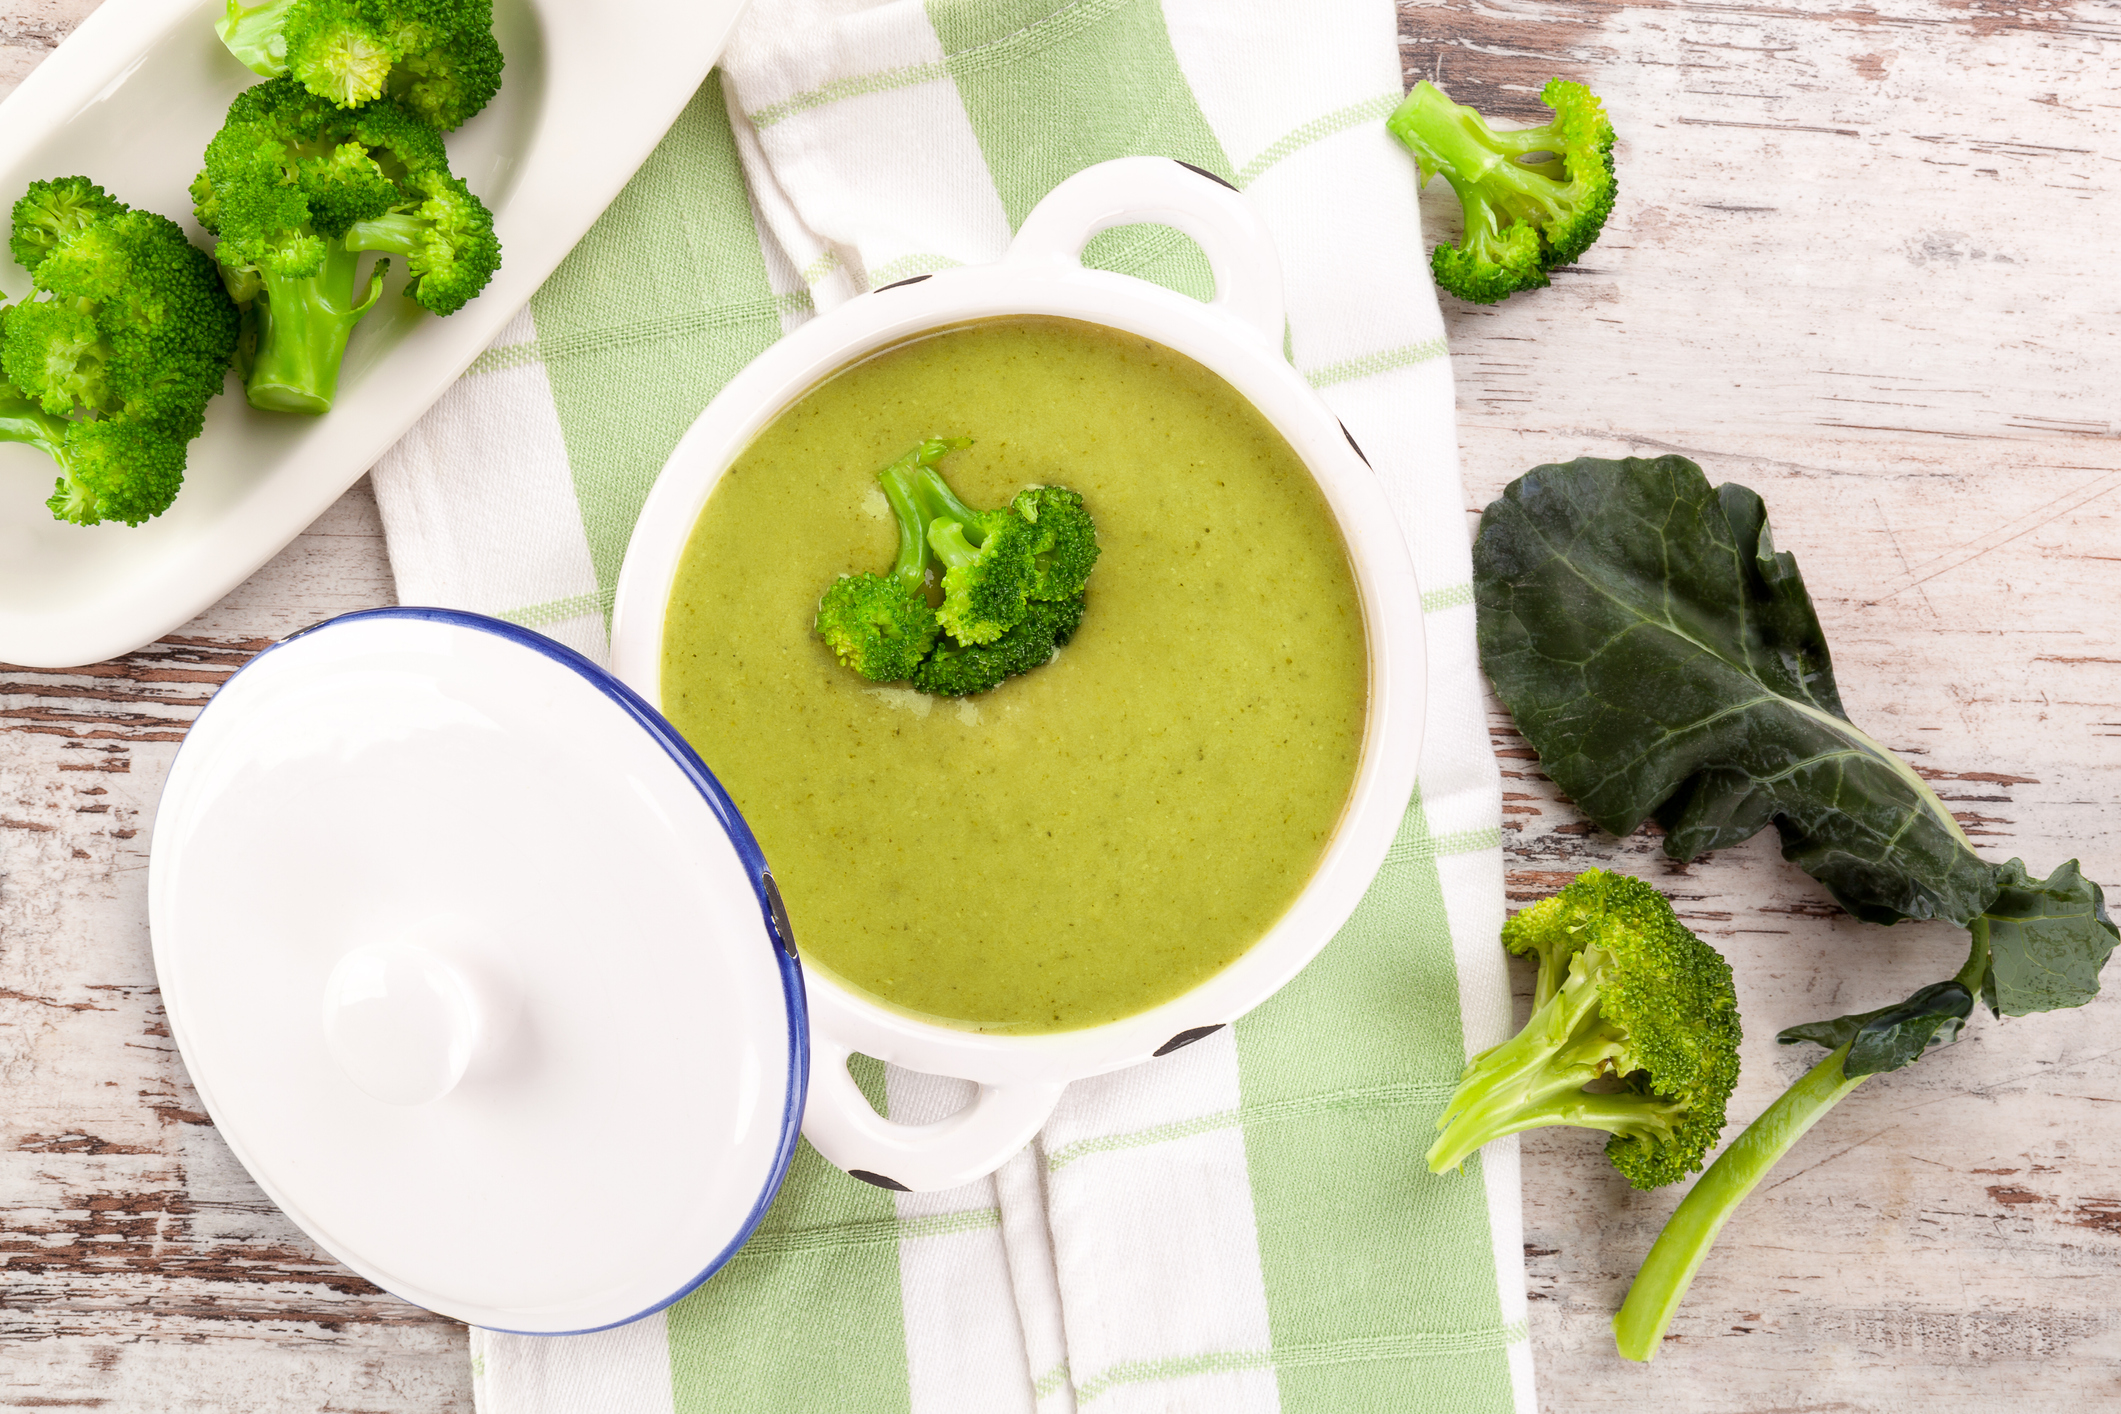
987	560
880	625
1534	198
1625	994
1012	583
953	670
436	57
296	190
109	364
986	586
51	211
1063	541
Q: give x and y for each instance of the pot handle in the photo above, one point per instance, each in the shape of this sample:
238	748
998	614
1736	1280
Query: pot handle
1135	189
841	1124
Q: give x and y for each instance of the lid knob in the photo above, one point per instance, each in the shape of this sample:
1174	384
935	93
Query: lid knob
402	1022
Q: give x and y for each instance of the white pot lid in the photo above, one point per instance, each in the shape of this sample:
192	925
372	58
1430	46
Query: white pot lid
478	970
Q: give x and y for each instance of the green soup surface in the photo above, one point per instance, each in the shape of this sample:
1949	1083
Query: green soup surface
1100	834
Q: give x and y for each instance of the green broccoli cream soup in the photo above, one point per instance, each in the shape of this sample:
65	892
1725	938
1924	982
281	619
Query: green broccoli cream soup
1095	836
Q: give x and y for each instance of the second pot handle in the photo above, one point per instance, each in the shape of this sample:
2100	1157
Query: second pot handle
1129	190
842	1125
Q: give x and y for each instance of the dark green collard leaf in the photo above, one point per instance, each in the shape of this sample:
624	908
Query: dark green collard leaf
1892	1036
2047	940
1664	659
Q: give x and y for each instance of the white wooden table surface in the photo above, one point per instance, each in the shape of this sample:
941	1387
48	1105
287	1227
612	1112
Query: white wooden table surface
1863	263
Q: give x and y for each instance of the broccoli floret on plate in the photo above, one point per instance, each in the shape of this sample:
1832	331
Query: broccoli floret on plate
110	362
297	190
436	57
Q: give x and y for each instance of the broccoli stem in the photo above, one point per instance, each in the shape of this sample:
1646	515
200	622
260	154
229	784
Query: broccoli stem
303	324
396	232
1455	140
1536	1078
944	504
252	34
910	570
23	420
1679	1250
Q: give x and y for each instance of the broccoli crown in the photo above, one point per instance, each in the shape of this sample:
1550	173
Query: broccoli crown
436	57
287	172
1012	583
1063	541
985	586
955	670
445	235
295	189
1534	198
109	365
51	211
875	626
1625	994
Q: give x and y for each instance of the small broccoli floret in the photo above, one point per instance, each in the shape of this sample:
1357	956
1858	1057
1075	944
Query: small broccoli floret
109	365
1534	198
880	625
445	235
51	211
297	190
436	57
1063	541
953	670
985	586
987	560
1626	994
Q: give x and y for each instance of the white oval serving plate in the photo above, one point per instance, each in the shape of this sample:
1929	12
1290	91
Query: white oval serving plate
131	100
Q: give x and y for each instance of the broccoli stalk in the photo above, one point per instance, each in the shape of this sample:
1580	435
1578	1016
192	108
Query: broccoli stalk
1534	198
880	625
2039	946
1691	1230
253	34
303	323
1625	994
297	190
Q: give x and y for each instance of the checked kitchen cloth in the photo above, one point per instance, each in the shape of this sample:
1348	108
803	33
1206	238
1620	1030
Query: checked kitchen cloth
1246	1224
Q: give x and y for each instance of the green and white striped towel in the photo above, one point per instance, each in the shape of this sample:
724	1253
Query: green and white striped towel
1246	1224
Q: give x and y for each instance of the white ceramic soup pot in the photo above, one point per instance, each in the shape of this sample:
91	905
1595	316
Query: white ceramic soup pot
1238	335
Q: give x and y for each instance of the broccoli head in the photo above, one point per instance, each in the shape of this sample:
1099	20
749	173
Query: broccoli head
297	189
955	670
880	625
1063	541
1534	198
109	364
436	57
1012	583
51	211
987	562
1626	995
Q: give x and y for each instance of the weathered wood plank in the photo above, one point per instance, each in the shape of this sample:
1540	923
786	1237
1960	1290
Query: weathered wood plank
1849	269
143	1268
